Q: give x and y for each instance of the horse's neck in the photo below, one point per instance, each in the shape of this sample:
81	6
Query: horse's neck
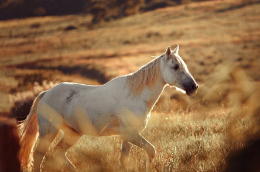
151	94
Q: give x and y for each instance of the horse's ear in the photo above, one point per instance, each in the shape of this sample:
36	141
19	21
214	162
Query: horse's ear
168	52
176	50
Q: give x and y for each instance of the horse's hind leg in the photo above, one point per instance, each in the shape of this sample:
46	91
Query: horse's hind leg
70	137
41	149
49	126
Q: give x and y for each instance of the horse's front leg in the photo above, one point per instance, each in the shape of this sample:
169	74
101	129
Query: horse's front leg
125	151
138	140
141	142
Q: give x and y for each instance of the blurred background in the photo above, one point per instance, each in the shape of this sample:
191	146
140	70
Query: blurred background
44	42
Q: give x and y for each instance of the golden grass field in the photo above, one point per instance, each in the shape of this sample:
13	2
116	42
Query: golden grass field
219	41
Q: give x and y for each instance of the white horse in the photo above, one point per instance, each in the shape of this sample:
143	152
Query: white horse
120	107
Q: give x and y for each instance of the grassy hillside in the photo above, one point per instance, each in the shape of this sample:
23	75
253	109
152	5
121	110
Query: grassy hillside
219	41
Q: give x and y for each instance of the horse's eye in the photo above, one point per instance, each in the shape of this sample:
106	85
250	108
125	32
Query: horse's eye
176	67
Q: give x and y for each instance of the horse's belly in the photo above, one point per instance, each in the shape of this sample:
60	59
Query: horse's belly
95	123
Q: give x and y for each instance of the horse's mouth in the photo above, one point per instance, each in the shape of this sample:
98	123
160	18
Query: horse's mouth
191	93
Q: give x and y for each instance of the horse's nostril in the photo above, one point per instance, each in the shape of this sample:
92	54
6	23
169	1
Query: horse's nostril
195	86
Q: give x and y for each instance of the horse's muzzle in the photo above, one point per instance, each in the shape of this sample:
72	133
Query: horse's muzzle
191	89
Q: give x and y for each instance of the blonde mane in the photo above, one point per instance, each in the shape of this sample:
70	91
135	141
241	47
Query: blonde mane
147	75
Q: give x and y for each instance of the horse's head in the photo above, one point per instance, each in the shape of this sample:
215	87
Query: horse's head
176	73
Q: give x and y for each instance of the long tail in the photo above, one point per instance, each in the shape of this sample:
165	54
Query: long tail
28	131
